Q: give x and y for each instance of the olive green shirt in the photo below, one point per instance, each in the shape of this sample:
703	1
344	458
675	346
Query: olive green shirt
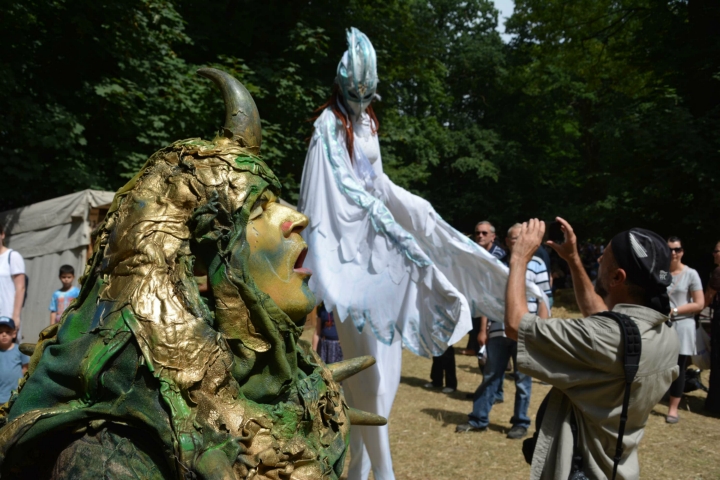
583	360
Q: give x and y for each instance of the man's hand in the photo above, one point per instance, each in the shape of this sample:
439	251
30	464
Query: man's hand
585	296
568	250
529	240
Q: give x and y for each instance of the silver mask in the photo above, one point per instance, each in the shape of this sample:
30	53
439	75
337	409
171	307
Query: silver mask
357	72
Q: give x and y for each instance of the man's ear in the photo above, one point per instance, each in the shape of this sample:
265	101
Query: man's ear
618	277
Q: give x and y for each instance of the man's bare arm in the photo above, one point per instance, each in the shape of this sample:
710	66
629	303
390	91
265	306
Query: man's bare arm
588	301
531	234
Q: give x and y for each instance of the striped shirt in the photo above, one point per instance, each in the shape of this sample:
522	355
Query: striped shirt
537	273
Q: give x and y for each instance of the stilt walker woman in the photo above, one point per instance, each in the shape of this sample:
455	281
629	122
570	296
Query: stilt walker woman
393	271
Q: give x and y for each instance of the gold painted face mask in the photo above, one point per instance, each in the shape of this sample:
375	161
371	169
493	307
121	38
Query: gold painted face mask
216	384
276	256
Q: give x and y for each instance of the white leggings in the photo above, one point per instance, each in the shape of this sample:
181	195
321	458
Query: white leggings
372	390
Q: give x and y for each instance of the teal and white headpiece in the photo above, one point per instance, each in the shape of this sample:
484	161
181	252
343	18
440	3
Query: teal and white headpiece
357	71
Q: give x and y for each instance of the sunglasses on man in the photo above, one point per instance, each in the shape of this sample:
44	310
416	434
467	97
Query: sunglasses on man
676	249
480	232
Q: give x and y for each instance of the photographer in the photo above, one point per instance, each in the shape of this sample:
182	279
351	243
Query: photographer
583	358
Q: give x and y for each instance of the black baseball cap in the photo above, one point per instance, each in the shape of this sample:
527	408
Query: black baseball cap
645	257
8	322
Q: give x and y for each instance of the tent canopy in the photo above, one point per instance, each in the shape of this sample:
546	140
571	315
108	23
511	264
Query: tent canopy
50	234
53	225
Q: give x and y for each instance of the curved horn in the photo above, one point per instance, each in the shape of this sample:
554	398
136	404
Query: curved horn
242	120
348	368
359	417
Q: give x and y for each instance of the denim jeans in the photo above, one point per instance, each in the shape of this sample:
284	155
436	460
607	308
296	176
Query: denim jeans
499	350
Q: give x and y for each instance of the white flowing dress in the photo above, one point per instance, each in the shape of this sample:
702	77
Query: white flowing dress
391	268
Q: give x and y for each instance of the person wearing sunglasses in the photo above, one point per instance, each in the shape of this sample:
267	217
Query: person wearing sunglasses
686	299
485	237
712	299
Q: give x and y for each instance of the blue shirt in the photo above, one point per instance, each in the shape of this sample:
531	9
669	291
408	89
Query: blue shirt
497	251
11	362
538	273
61	300
328	329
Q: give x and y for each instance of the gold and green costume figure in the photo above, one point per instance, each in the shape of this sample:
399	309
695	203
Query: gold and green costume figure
147	376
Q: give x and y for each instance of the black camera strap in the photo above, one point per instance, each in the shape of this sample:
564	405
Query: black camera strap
577	460
631	359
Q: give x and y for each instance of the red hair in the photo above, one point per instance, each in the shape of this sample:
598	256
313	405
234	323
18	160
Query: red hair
334	104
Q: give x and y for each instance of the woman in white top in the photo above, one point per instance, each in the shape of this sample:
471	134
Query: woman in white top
686	299
12	283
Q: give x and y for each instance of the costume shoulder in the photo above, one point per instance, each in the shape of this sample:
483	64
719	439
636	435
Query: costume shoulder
365	264
475	272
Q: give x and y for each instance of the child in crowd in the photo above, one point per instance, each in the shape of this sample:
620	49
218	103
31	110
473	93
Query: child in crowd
325	339
62	298
13	364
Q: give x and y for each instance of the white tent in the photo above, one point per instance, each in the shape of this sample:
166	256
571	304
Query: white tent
50	234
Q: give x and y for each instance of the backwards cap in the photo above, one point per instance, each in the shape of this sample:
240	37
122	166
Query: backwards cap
645	257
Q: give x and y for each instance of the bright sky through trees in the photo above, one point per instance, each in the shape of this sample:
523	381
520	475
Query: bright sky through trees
505	9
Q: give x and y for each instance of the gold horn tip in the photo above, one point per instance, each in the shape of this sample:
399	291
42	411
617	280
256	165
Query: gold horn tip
348	368
359	417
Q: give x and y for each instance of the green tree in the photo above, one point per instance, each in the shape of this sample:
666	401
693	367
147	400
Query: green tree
607	93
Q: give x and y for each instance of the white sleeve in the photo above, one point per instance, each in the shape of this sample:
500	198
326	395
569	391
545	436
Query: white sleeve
17	264
474	271
365	265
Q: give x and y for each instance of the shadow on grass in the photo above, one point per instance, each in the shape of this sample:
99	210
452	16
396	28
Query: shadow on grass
449	418
414	381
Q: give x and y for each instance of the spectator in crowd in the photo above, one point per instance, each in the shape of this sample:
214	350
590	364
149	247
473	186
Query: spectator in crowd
13	364
485	237
583	358
543	255
686	299
712	299
500	349
12	283
443	366
325	339
62	298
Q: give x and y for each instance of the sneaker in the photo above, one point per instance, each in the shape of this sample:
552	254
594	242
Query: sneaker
466	427
448	390
429	385
517	432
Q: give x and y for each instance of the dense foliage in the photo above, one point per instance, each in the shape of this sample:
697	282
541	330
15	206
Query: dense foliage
607	112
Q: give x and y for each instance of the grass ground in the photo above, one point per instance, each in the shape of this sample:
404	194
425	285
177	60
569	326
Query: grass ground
425	446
